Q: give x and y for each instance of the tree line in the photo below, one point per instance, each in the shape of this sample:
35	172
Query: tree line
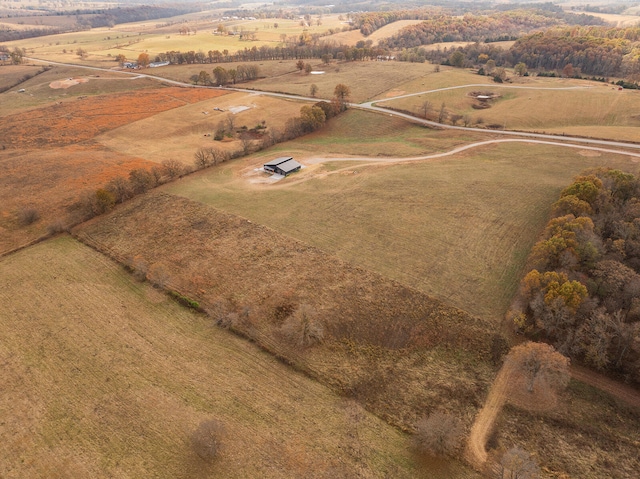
582	293
572	52
141	180
86	19
362	51
469	27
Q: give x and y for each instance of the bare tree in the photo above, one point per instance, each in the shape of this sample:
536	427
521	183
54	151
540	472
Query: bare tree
303	328
442	115
207	439
141	180
120	188
247	144
517	463
313	90
173	168
439	434
201	158
426	108
27	216
231	120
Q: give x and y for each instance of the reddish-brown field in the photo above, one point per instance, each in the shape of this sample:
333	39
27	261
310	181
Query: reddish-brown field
49	159
78	120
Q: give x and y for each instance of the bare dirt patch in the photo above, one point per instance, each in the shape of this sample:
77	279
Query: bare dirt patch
69	82
589	153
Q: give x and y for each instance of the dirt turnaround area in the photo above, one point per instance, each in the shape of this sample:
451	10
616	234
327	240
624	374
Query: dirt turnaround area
69	82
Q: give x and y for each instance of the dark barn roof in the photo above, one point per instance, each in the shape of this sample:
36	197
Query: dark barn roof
289	166
278	161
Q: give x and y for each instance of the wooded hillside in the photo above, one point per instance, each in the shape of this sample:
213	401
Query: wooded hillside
583	291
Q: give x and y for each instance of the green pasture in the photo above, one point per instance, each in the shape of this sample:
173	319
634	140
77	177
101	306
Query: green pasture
458	228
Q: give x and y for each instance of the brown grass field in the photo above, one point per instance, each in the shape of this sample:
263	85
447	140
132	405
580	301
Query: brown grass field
366	247
458	228
178	133
12	74
104	376
352	37
39	93
155	36
595	436
49	156
365	79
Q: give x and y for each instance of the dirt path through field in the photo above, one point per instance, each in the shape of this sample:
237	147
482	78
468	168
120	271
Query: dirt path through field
614	388
475	452
476	145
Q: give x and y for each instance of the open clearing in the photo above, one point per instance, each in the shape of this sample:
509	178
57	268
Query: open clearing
104	377
381	337
38	92
12	74
379	76
458	228
352	37
155	36
361	133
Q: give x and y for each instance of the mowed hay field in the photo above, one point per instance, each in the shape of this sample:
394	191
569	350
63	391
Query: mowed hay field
39	91
106	377
458	228
13	74
50	160
596	110
162	35
360	133
366	80
352	37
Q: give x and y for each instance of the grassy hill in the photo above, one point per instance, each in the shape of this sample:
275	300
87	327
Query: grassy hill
458	228
382	339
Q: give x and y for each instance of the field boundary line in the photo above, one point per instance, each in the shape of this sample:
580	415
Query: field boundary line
26	245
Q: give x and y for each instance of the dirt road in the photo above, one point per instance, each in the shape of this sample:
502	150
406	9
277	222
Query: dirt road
475	452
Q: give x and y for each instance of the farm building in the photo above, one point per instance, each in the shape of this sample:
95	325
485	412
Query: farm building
282	166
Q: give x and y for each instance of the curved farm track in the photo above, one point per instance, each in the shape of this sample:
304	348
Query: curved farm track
616	389
475	451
